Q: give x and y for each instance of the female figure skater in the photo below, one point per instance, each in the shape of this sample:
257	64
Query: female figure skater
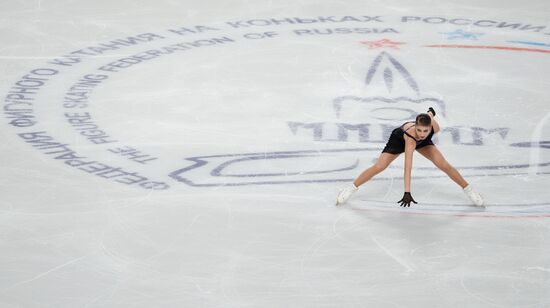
411	136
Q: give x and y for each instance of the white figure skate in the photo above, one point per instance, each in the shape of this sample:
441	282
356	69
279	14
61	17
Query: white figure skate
474	196
345	194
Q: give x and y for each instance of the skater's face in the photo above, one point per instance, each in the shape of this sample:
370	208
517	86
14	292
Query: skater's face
422	131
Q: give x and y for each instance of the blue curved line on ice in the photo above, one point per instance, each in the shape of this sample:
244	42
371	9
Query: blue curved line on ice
200	161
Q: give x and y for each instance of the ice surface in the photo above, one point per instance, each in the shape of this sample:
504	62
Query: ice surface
247	119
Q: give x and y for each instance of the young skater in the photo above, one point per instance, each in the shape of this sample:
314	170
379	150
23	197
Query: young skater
408	137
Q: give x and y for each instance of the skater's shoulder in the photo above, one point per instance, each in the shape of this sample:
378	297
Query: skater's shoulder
407	125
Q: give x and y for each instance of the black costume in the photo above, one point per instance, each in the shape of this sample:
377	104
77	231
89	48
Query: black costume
396	143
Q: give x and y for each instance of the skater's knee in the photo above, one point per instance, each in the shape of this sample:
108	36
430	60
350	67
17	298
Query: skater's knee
445	167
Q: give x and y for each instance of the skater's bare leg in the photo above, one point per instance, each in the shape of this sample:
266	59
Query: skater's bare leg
432	153
382	163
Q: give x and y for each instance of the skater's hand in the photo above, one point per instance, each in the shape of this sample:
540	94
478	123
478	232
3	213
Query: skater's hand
432	111
406	200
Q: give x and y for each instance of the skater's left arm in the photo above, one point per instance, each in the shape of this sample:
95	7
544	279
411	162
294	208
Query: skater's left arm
435	125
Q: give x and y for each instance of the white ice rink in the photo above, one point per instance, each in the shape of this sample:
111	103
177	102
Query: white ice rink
188	153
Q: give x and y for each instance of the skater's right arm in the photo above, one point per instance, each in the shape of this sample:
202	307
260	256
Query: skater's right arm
410	145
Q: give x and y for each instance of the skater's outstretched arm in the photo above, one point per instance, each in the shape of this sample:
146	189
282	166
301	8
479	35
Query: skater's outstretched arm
410	145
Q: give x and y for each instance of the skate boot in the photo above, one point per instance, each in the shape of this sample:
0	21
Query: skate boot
474	196
345	194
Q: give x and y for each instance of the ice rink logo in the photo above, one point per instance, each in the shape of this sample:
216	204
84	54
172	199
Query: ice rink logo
64	109
382	114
